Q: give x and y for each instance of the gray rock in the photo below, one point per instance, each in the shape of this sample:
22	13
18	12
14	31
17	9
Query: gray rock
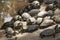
49	1
50	13
9	32
47	23
36	3
42	14
32	28
33	12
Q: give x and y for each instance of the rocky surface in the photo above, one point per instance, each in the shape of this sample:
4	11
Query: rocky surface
33	36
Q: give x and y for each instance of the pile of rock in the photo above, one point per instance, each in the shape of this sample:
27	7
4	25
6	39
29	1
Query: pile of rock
30	17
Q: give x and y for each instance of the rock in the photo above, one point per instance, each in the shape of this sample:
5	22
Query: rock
58	4
7	24
8	17
56	19
36	4
49	1
9	32
50	13
58	28
47	23
47	32
17	17
41	1
42	14
57	12
33	12
24	25
32	28
50	7
30	1
25	16
22	10
32	20
16	23
47	17
39	20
